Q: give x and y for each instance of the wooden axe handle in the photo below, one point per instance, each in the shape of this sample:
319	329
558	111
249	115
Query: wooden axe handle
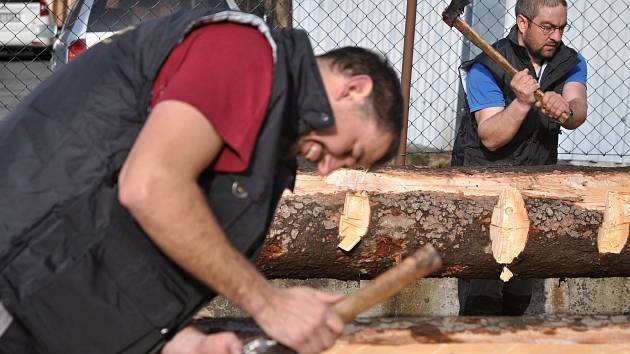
472	35
420	264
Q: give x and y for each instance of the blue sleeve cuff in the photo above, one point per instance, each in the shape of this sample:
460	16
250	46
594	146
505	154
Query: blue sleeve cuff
488	105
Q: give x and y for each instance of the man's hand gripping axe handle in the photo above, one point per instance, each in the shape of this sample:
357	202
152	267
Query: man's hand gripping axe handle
451	16
420	264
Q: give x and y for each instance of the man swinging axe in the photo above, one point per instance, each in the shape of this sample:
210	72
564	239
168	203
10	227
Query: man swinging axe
519	92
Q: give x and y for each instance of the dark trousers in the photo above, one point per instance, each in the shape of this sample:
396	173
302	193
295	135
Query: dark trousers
490	297
17	340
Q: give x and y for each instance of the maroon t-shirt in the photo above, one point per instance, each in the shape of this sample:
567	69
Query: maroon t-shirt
224	70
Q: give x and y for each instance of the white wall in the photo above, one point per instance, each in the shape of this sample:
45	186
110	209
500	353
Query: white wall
600	33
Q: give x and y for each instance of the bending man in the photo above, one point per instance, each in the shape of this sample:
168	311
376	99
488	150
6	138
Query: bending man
147	171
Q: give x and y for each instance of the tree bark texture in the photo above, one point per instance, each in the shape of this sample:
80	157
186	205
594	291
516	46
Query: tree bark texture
451	209
567	330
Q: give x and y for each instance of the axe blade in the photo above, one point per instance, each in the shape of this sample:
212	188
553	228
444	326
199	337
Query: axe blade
454	10
264	345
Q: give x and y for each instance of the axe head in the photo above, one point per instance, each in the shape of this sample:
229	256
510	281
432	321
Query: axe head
264	345
454	10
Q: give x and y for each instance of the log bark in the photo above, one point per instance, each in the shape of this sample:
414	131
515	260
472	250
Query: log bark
539	334
452	209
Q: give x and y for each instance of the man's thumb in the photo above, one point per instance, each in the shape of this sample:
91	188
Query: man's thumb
328	297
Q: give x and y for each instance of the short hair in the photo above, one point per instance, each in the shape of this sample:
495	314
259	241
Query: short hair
529	8
386	96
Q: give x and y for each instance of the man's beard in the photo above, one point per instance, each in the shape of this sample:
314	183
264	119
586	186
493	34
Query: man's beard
540	55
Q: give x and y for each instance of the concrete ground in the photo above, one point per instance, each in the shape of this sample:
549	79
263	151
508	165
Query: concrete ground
438	297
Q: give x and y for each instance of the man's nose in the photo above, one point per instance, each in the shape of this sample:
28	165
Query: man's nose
556	35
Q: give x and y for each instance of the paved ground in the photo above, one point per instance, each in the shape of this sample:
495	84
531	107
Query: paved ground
18	77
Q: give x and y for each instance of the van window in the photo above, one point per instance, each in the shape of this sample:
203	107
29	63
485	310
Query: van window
114	15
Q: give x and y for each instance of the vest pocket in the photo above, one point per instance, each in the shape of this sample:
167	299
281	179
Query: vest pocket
92	308
111	296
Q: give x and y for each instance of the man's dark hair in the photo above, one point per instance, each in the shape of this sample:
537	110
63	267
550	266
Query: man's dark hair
529	8
386	96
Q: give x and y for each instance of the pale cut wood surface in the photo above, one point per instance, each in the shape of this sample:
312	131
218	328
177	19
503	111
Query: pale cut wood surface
467	335
483	348
585	186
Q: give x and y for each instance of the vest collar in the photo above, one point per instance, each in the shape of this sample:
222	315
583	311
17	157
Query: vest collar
313	108
520	50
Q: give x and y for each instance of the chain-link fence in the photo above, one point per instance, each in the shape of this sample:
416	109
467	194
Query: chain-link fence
599	30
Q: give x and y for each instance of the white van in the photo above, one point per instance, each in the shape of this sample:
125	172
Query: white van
25	23
91	21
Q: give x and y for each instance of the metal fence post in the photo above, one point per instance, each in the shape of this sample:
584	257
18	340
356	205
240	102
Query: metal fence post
410	30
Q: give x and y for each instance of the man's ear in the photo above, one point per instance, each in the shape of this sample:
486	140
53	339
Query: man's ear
358	87
522	23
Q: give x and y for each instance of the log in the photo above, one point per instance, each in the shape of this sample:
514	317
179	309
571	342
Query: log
531	334
457	210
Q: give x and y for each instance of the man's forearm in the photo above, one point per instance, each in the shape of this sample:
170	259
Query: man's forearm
498	130
179	221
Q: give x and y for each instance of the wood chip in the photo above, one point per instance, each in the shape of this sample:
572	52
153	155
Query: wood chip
506	275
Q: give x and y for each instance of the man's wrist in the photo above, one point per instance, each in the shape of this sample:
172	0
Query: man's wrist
258	302
524	103
520	109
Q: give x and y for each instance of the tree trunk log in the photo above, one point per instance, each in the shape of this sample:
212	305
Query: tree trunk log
470	335
451	209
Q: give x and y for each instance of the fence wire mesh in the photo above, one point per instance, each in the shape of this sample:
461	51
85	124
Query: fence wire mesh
599	33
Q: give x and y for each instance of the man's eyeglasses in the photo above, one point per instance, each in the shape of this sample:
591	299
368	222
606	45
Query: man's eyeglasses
547	30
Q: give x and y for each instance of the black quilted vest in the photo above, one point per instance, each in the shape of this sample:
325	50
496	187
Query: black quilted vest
536	142
75	267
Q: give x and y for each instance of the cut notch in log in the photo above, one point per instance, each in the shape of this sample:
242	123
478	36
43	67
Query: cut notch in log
613	233
354	220
509	226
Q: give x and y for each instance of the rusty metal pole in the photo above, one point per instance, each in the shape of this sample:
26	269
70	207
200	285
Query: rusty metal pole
410	31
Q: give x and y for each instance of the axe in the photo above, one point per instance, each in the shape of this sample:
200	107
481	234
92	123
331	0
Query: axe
420	264
451	16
